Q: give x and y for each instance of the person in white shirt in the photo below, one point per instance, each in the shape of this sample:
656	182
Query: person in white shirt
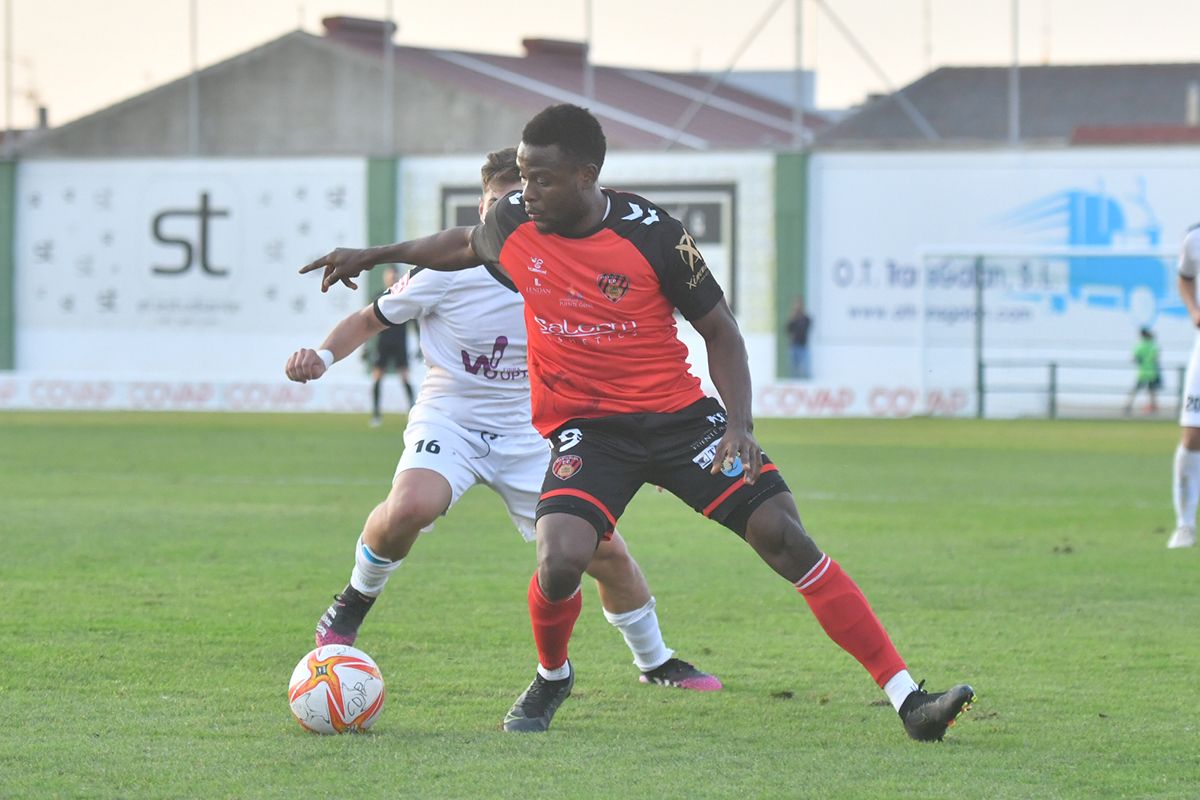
1186	487
471	424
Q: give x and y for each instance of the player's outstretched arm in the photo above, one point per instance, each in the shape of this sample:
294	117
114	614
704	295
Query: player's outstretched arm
728	365
448	250
347	336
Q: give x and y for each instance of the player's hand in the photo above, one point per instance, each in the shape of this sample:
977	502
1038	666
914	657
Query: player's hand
738	454
304	365
341	264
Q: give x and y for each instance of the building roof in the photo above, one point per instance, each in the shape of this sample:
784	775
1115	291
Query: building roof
638	108
302	94
969	105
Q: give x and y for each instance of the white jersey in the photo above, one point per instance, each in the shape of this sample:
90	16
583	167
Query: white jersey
1189	255
1189	267
474	342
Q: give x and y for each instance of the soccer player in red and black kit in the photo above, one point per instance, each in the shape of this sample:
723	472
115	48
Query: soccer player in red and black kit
602	273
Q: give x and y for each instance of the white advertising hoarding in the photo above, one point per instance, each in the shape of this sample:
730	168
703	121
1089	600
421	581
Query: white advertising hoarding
1078	248
152	270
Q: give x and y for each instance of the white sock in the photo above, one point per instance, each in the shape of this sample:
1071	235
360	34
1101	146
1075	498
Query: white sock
899	688
641	632
1186	488
371	570
560	674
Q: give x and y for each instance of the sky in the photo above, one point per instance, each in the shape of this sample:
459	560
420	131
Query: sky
79	56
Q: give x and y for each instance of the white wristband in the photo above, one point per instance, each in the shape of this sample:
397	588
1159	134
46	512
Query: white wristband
327	357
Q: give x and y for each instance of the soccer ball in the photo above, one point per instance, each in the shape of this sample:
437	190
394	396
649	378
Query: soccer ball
336	689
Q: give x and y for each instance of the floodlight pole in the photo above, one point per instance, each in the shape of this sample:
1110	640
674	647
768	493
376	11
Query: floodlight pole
193	94
389	83
8	79
589	75
798	98
1014	79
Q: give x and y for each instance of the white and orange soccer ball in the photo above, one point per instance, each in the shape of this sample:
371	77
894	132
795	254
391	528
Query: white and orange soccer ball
336	689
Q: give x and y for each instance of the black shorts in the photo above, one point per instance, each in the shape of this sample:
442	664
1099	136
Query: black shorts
598	465
391	349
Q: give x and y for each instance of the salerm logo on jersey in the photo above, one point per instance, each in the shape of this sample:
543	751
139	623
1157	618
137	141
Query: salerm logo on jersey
586	332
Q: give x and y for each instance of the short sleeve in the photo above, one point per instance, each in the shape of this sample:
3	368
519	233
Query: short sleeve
1189	255
505	215
686	279
415	294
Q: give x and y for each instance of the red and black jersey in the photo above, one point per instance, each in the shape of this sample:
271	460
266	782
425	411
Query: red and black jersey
600	308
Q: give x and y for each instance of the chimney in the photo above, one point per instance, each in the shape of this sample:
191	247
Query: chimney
1193	104
43	118
559	48
359	30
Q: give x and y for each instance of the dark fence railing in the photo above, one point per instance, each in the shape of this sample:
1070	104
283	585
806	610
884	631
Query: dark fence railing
1057	378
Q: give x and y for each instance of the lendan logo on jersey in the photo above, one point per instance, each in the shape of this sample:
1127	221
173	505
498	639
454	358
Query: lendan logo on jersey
584	331
488	366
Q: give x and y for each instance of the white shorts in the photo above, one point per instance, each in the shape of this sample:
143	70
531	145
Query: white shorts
1189	413
512	465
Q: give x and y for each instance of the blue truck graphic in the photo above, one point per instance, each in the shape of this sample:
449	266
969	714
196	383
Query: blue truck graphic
1138	282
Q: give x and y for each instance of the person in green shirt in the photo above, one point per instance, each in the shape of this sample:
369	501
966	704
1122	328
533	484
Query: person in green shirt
1149	374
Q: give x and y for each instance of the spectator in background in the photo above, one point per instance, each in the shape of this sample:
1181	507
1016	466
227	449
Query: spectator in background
1149	375
798	325
391	347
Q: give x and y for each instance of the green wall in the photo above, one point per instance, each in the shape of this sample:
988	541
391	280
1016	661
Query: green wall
382	196
791	219
8	204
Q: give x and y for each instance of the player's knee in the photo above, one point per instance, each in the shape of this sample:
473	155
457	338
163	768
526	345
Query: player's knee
563	555
407	512
776	533
1190	438
611	560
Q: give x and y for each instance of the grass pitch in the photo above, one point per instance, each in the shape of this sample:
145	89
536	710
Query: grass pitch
162	574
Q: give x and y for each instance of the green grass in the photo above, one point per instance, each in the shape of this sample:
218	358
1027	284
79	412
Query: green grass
161	575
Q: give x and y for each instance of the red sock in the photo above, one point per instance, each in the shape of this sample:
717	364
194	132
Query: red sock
552	624
843	611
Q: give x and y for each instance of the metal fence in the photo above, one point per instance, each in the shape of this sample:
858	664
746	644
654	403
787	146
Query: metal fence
1068	388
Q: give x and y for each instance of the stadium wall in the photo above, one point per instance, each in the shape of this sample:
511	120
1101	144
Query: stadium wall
1089	234
172	283
8	190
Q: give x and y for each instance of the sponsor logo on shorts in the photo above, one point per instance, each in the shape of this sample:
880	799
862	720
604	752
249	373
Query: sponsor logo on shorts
613	285
705	460
566	466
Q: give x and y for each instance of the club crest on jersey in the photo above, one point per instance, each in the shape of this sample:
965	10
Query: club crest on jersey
566	466
613	286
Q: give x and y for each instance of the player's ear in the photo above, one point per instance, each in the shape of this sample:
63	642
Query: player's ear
588	175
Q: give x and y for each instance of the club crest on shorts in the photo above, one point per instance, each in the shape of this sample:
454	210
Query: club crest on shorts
613	286
566	466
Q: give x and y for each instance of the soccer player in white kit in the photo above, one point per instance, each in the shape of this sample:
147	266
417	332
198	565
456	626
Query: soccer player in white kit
1187	456
471	424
